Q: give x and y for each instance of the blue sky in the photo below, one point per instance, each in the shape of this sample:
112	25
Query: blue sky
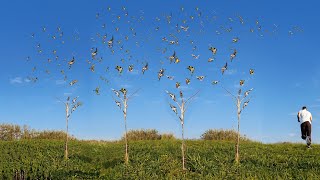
286	66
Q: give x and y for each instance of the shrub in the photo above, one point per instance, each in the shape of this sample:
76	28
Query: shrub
10	132
222	135
167	136
58	135
148	134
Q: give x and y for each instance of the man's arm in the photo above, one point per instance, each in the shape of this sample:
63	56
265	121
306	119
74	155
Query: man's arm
298	116
310	117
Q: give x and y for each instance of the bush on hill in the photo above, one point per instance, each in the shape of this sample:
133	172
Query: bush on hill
148	134
222	135
11	132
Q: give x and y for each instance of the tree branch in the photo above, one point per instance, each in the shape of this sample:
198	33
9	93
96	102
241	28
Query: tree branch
61	101
129	97
190	99
229	92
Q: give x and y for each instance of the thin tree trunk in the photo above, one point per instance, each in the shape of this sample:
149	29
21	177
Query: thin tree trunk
126	158
182	147
238	138
238	131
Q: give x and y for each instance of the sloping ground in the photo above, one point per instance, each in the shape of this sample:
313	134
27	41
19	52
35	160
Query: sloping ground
40	159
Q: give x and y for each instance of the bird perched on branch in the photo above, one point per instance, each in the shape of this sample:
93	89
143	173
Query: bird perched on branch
174	109
172	96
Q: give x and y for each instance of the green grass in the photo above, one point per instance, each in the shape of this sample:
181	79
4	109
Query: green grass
43	159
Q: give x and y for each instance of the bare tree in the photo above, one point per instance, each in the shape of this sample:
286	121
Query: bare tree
74	105
123	105
183	105
241	101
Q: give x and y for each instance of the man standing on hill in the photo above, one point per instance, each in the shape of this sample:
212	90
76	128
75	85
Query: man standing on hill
305	118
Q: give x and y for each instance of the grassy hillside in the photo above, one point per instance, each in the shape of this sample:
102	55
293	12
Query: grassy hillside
161	159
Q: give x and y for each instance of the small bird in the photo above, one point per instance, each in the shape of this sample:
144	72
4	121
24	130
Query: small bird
213	50
119	69
188	81
94	53
177	60
118	104
195	57
130	68
174	109
247	92
181	95
245	104
172	96
215	82
92	68
73	82
97	90
110	42
184	28
71	62
160	73
145	68
210	59
241	82
123	90
200	78
170	77
236	39
173	57
191	69
74	100
233	55
173	42
177	84
116	92
73	109
251	71
224	68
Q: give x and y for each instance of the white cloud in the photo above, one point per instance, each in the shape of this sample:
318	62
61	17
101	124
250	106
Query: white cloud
16	80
